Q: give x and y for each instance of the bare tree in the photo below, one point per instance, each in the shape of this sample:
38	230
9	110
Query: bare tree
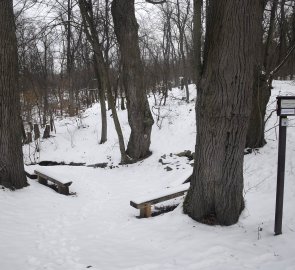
12	173
102	68
139	114
223	110
181	18
276	53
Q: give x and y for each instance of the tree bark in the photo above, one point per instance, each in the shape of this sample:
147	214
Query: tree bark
12	173
102	71
197	39
139	114
91	34
269	38
261	94
70	60
223	110
103	108
282	44
261	90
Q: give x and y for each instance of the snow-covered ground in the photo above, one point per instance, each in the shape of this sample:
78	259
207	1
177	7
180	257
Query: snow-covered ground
97	228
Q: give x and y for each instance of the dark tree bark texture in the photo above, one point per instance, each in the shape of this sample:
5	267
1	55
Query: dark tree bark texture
197	36
261	94
223	110
261	89
12	173
139	114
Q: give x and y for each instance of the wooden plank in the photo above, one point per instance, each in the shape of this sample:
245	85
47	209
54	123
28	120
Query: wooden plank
62	188
42	180
58	182
158	200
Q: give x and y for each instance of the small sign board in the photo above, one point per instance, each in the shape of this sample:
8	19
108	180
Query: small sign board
285	105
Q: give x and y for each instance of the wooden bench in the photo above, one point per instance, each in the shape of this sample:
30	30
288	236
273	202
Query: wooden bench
62	186
144	204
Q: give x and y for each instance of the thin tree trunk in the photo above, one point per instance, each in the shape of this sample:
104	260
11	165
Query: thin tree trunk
70	61
223	110
12	173
91	34
270	34
139	114
45	94
103	71
103	109
282	45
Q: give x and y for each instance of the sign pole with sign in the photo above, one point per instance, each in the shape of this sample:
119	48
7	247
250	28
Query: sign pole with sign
285	107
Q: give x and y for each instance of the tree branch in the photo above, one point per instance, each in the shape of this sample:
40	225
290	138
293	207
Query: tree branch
277	68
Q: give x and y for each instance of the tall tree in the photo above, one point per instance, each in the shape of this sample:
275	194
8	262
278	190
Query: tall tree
102	69
261	88
139	114
223	109
274	58
181	18
12	173
70	61
87	14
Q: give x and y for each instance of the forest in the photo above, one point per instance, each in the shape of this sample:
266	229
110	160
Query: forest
166	106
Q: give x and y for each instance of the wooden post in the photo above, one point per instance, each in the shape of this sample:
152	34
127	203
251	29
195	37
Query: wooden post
63	189
42	180
146	211
281	175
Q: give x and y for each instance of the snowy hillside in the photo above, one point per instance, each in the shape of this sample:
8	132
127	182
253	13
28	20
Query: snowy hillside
96	228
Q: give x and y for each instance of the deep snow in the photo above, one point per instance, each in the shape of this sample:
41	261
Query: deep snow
97	228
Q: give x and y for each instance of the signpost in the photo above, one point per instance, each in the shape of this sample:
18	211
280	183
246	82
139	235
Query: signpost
285	107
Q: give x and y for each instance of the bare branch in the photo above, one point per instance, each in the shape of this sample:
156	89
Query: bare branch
277	68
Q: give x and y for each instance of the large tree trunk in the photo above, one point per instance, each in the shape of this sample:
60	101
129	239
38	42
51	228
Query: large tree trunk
223	111
261	94
12	173
261	90
139	114
269	38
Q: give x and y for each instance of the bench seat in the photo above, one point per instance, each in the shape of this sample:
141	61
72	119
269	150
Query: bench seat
45	175
144	203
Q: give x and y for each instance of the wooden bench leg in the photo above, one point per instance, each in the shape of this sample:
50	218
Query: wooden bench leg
146	211
42	180
63	189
